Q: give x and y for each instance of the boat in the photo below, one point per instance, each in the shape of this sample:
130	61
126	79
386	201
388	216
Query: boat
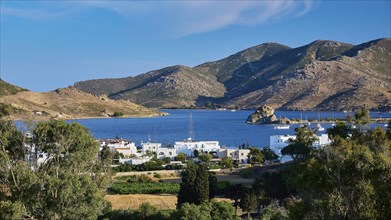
319	127
188	145
308	122
301	120
281	126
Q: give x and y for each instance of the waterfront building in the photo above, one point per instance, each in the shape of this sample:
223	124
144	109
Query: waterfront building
189	146
277	142
151	147
161	152
125	147
134	161
239	155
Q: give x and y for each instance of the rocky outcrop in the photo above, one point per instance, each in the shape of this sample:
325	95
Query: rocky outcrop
263	115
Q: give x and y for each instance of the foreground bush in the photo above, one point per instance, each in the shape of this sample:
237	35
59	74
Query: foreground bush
145	188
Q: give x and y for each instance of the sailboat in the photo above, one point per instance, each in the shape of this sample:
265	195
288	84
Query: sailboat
318	126
281	126
308	122
333	124
301	120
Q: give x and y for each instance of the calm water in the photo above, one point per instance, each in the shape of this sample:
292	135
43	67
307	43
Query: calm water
225	126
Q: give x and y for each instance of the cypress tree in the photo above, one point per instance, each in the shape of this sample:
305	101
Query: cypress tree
195	185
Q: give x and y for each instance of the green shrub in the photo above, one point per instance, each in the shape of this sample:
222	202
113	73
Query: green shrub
118	114
145	188
246	173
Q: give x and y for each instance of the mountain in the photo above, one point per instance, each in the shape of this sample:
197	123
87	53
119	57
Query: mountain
9	89
66	103
323	75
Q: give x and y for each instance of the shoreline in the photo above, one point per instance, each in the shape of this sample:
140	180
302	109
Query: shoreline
45	118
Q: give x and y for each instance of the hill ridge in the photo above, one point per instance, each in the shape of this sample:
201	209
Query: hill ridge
322	71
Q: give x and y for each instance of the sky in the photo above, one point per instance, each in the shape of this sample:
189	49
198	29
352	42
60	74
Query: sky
45	45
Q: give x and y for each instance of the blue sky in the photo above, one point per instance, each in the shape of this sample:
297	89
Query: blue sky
46	45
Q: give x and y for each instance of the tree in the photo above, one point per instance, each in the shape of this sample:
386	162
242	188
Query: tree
196	153
255	156
194	212
349	179
226	162
118	114
181	157
6	109
272	185
70	184
213	185
195	184
274	211
340	129
302	145
166	160
223	210
362	117
248	201
269	154
205	157
305	136
297	151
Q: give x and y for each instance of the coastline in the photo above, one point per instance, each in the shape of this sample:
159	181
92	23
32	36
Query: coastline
72	117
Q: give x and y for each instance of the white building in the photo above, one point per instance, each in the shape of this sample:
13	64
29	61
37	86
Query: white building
277	142
161	152
189	146
240	155
134	161
151	147
127	148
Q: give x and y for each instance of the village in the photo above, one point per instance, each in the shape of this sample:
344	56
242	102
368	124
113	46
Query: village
129	153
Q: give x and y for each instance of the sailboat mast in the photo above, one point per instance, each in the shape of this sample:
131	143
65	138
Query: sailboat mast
191	131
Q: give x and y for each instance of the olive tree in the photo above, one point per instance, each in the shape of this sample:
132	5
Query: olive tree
69	184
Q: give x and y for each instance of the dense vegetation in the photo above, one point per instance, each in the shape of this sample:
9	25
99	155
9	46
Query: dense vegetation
118	114
348	179
142	185
212	210
7	109
70	184
147	166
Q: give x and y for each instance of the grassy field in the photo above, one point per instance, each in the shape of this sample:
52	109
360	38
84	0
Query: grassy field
133	201
174	176
163	201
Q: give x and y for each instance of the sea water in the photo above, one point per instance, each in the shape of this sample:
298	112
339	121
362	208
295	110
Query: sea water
227	127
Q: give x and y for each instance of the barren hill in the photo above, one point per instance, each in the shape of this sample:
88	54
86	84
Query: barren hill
8	89
323	75
70	103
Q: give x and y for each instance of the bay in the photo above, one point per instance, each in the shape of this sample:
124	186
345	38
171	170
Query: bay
229	128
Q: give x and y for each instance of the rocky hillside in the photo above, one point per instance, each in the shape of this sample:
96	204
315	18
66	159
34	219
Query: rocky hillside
8	89
323	75
69	103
